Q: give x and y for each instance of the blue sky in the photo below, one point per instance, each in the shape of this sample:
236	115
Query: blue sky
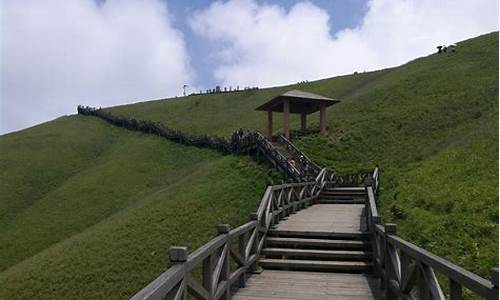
56	54
343	14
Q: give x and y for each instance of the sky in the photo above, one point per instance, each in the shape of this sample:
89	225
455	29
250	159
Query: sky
56	54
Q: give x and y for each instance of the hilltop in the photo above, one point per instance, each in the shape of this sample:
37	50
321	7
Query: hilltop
88	209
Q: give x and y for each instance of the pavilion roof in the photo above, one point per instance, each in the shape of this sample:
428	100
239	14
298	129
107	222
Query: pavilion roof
300	102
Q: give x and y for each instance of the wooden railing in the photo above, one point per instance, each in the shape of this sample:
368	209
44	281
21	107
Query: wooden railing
275	157
352	179
313	168
226	261
324	176
241	142
408	271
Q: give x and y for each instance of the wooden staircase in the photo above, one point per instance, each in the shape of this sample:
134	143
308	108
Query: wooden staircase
341	252
314	241
342	195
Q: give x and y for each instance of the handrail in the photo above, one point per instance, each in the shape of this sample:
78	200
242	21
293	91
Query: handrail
299	153
404	267
272	153
214	257
240	142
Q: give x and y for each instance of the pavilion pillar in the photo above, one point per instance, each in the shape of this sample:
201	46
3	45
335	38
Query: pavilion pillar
270	125
286	118
303	121
322	118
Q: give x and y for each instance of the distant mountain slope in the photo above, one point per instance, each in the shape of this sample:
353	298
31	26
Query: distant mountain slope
406	119
432	125
83	201
87	210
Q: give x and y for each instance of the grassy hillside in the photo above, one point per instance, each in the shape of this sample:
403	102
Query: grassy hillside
87	210
431	124
84	205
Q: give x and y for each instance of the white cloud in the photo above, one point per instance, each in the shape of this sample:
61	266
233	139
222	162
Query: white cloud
58	53
264	44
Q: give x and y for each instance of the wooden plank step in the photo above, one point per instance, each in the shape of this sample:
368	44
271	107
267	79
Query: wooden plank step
326	195
344	192
341	201
316	265
307	254
316	243
351	189
318	234
343	195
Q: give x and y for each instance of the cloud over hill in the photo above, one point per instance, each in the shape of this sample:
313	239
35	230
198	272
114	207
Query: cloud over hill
265	44
57	54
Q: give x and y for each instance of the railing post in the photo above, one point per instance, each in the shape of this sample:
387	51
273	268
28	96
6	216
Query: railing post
494	281
225	272
254	267
377	258
368	185
242	242
207	270
455	290
390	229
178	255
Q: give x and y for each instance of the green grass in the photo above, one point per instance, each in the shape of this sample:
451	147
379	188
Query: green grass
88	210
432	125
94	207
435	113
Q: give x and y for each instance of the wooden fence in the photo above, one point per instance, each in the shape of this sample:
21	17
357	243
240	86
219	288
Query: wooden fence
250	142
227	260
279	161
408	271
313	169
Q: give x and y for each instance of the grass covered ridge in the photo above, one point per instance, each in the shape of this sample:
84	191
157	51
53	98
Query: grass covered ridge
87	210
101	229
431	124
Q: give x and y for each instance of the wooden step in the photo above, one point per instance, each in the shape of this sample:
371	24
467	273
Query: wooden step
319	234
307	254
302	243
345	189
340	201
343	195
316	265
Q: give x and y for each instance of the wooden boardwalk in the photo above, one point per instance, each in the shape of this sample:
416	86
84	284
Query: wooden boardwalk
326	218
309	243
302	266
272	284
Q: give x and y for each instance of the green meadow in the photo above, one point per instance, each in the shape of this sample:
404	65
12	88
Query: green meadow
88	210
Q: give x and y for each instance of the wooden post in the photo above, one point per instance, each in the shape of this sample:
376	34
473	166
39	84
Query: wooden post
286	118
389	229
322	118
270	125
494	278
242	240
224	276
455	290
178	255
303	121
207	270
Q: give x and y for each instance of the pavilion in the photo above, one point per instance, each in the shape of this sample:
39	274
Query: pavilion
296	102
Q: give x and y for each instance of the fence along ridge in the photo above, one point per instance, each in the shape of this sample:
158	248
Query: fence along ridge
250	142
404	267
